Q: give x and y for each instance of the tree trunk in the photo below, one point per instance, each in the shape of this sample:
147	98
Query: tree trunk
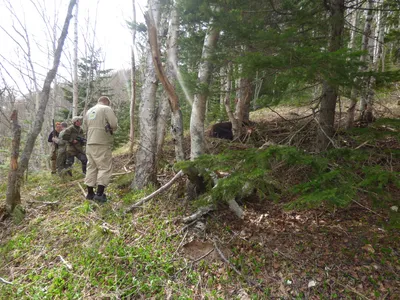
44	98
375	57
75	94
227	101
164	113
353	94
146	168
133	83
330	91
200	98
13	196
177	124
366	58
243	105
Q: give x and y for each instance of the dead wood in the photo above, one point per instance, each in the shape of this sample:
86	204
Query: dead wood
159	191
199	213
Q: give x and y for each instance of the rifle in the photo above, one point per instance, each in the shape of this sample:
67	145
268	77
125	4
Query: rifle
81	140
54	133
108	129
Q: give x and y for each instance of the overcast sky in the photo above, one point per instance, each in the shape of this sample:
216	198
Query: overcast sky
112	34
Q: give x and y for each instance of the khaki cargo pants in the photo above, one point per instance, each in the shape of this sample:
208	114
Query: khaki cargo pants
99	167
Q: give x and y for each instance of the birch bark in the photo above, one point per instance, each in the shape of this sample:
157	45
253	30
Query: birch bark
133	83
197	116
146	170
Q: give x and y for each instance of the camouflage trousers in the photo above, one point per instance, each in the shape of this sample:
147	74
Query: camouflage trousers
53	159
61	161
80	156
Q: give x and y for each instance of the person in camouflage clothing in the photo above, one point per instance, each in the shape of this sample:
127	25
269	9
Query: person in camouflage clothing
54	147
75	141
62	149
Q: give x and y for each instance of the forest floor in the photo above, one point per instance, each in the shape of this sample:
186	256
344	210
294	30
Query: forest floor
66	247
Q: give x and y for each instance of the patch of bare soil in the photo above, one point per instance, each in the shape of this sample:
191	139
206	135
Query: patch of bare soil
345	252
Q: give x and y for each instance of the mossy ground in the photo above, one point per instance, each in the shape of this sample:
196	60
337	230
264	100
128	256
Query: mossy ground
69	248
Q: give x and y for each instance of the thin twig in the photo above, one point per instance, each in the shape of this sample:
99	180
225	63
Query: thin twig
203	256
234	268
323	131
363	144
117	174
5	281
367	208
44	203
83	191
177	249
294	134
274	111
226	260
67	264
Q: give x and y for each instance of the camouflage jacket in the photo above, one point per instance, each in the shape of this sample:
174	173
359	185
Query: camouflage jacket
62	144
69	135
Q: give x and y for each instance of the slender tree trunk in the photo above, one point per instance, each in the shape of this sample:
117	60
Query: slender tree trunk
376	53
330	91
177	124
164	113
197	116
366	58
353	94
146	168
227	100
75	94
13	196
172	75
133	83
222	83
37	125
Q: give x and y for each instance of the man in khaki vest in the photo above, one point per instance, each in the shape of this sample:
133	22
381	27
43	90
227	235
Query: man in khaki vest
100	123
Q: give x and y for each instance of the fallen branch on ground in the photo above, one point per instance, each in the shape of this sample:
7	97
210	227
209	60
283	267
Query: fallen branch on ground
41	202
5	281
250	282
159	191
117	174
199	213
83	191
67	264
234	206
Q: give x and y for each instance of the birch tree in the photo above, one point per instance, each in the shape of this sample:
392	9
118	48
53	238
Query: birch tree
146	170
352	45
166	77
38	122
75	95
197	116
133	82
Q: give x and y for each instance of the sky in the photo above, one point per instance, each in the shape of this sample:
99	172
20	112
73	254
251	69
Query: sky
111	33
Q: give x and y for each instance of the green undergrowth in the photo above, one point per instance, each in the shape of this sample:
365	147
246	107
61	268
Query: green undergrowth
71	248
299	179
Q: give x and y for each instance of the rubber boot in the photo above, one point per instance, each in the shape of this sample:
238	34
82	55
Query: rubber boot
90	195
100	196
